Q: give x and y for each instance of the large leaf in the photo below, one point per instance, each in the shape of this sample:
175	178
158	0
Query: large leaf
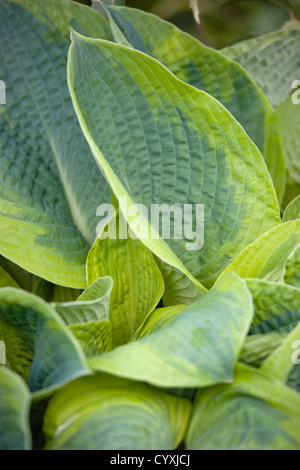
50	185
14	412
258	347
257	412
39	346
199	347
208	70
159	140
268	253
289	124
107	413
272	60
276	307
138	283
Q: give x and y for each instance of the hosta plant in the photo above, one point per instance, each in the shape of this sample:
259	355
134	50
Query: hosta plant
112	335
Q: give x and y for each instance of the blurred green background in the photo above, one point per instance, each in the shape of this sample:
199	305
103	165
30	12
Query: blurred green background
223	22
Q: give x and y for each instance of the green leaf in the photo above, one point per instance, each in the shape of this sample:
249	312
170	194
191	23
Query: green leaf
24	279
50	186
107	413
284	362
138	284
158	319
276	307
199	347
292	268
268	253
258	347
272	60
257	412
196	9
88	317
65	294
159	140
208	70
14	412
6	280
179	288
289	123
293	380
292	211
38	344
91	305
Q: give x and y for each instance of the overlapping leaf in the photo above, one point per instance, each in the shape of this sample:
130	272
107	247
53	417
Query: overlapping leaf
91	305
210	331
284	362
39	346
256	412
292	268
272	60
208	70
50	186
106	413
258	347
180	147
138	284
292	211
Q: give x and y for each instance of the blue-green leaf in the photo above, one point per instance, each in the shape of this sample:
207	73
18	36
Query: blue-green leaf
198	347
14	412
159	140
107	413
39	346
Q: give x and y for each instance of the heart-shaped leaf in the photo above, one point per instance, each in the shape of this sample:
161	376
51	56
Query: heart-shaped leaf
14	412
159	140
